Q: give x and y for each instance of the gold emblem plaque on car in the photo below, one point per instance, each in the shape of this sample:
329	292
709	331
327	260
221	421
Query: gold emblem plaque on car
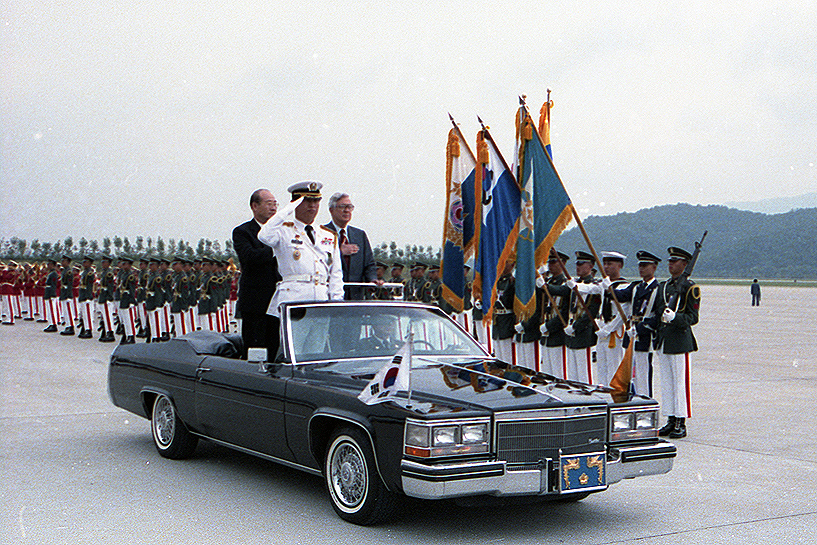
582	472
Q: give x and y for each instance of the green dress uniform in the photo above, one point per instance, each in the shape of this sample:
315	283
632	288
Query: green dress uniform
105	302
504	320
87	278
67	300
677	306
553	329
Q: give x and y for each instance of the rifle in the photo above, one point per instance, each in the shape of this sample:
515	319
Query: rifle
684	278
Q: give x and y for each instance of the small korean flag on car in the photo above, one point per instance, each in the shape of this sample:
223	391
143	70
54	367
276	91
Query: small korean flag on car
394	377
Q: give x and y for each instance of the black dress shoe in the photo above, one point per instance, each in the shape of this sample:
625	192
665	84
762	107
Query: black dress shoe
50	329
28	319
67	331
107	338
680	429
85	334
127	340
668	427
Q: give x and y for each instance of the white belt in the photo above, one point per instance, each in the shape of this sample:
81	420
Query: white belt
316	279
501	312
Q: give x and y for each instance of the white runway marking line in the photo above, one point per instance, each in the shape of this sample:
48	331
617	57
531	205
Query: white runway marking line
22	526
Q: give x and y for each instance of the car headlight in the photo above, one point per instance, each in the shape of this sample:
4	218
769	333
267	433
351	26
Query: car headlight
626	425
446	437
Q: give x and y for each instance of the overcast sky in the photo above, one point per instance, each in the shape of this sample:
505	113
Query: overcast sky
123	117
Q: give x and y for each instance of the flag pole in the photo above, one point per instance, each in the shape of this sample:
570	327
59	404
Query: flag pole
586	238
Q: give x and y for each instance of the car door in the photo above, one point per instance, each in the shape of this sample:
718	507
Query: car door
242	403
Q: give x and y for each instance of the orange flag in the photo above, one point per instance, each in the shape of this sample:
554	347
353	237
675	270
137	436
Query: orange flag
621	380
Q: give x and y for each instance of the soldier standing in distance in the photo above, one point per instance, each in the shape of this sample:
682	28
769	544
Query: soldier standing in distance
755	291
679	301
414	287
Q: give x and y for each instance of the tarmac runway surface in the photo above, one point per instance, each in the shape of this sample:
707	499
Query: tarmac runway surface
75	469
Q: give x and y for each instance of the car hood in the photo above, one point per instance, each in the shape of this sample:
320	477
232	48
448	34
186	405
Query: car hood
486	385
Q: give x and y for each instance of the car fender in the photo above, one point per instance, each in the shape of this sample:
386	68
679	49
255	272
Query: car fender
324	420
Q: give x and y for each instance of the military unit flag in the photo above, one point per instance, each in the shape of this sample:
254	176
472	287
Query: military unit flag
459	179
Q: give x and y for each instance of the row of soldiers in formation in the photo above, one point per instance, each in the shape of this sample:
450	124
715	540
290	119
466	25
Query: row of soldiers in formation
155	300
577	331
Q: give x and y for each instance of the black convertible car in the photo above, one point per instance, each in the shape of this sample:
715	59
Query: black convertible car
470	426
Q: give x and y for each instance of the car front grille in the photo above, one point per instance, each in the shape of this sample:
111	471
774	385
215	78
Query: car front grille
533	440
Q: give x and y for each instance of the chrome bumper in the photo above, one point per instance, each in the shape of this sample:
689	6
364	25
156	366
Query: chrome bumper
428	481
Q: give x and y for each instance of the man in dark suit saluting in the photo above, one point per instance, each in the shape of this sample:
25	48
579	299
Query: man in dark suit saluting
259	276
356	252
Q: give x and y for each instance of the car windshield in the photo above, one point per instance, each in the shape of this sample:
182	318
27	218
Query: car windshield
340	331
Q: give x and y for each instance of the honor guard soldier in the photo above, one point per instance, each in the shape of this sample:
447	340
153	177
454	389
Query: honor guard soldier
52	281
167	278
528	351
554	317
189	293
503	316
177	300
105	299
67	296
128	281
87	279
9	286
397	278
141	294
433	287
642	296
207	315
580	333
379	293
154	300
610	346
414	287
679	301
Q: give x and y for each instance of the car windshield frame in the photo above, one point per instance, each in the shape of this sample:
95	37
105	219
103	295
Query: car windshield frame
355	319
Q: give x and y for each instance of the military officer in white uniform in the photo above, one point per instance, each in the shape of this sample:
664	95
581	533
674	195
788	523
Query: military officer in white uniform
308	256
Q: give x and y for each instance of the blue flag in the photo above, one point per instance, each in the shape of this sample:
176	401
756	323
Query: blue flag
460	164
498	215
546	211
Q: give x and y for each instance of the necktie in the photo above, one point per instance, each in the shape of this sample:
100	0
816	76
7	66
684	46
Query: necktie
310	231
343	240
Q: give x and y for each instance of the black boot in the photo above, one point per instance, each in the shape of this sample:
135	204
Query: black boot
107	337
127	340
680	429
67	331
50	329
668	427
85	334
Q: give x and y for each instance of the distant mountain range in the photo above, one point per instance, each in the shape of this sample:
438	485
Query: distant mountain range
739	244
777	205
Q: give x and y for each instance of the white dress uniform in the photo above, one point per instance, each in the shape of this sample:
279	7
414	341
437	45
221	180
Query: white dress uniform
310	271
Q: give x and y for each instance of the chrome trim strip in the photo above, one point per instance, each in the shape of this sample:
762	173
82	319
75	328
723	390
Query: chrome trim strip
281	461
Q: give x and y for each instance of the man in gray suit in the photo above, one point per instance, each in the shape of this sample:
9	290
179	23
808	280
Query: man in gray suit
356	252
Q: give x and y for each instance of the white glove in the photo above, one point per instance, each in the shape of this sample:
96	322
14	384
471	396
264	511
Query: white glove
540	281
570	283
600	326
519	328
606	282
668	316
589	289
543	329
478	304
569	330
